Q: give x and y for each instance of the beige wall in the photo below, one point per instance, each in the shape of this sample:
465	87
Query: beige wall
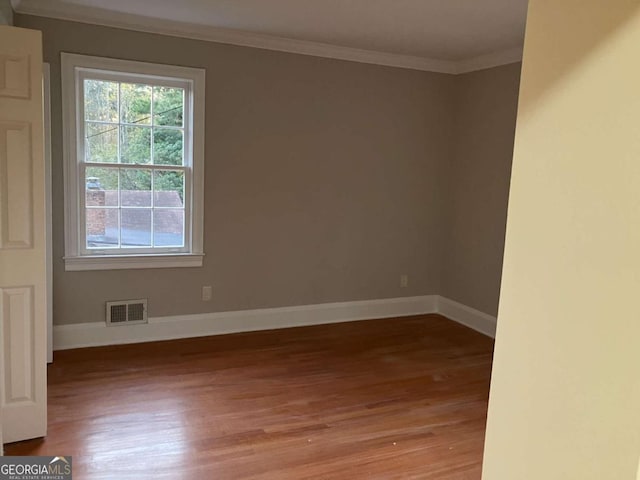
485	105
323	179
565	392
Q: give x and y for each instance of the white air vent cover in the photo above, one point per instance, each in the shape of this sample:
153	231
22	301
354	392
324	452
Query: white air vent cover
127	312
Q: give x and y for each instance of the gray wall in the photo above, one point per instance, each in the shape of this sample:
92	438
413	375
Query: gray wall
323	179
6	13
485	106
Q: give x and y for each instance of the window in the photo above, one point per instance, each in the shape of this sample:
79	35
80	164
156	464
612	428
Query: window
134	147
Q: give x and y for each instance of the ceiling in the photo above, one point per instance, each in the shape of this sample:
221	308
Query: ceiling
440	35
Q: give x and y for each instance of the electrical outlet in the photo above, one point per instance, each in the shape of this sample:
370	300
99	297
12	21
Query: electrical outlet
404	281
207	293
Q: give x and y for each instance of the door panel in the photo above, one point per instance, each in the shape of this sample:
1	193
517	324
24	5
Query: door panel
16	162
23	331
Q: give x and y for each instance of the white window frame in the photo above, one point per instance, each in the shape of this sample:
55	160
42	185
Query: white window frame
74	69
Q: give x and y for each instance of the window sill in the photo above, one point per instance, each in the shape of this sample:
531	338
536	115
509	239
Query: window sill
130	262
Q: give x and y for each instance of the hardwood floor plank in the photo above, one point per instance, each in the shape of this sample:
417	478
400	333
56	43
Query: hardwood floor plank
401	398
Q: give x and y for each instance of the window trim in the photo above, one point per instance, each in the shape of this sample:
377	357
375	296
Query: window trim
76	256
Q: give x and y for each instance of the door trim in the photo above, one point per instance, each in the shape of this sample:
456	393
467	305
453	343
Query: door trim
46	99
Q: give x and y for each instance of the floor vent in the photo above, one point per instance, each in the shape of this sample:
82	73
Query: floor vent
127	312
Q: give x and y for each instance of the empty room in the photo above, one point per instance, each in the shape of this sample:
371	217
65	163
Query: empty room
327	239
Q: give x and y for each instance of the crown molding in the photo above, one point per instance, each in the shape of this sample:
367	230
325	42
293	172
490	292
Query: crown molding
65	11
490	60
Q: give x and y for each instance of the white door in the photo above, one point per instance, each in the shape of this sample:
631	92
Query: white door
23	283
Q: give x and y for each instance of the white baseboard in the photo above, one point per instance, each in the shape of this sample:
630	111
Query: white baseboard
220	323
467	316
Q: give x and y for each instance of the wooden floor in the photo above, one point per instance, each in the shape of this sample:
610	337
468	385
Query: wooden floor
381	399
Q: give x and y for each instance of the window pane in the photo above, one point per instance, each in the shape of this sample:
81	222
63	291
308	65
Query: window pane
101	143
168	189
135	103
168	227
167	146
135	144
100	101
101	187
168	106
135	188
102	227
136	227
